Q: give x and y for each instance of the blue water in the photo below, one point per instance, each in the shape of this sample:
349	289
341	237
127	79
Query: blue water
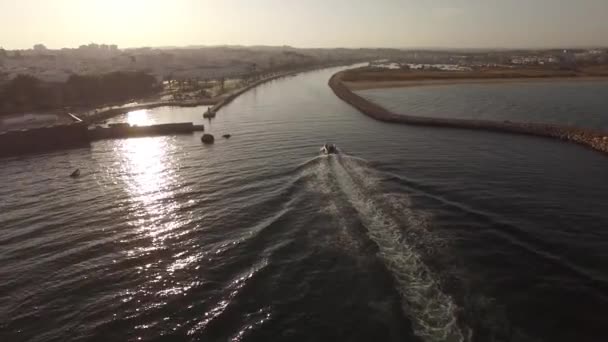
577	103
410	234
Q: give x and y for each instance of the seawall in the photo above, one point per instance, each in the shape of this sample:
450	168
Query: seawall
127	131
594	139
78	134
44	139
106	114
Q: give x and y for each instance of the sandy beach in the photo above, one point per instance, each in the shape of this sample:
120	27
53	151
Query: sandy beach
372	78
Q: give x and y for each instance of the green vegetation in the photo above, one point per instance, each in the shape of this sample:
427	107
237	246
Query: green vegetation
27	93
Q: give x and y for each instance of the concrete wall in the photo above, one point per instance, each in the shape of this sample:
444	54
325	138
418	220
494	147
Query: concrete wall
43	139
594	139
126	131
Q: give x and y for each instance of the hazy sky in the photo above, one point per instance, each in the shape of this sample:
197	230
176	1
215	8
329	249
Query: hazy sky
305	23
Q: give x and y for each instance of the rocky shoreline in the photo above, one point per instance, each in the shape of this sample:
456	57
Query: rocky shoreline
593	139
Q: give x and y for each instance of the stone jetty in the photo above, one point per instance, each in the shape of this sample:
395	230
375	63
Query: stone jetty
593	139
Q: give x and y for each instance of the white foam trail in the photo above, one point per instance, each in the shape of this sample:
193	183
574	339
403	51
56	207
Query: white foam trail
417	222
432	312
321	183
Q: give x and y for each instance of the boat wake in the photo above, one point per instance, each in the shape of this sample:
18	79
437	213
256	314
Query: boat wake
402	236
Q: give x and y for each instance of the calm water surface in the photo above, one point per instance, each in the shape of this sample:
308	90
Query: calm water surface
411	234
577	103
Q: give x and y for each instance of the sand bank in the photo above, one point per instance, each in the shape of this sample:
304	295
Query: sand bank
364	85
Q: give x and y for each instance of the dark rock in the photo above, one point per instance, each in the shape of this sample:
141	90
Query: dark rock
208	139
227	136
75	174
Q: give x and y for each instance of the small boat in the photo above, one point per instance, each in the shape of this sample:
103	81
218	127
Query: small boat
329	149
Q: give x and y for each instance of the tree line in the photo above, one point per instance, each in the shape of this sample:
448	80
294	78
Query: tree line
27	93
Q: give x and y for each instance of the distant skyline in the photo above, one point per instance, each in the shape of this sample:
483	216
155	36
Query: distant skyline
306	24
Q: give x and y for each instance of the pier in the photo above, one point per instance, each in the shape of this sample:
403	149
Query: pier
119	131
78	134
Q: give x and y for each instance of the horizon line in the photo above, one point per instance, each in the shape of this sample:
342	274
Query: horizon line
413	48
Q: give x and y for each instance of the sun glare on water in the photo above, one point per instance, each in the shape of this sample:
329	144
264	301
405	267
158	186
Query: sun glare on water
139	118
145	168
148	173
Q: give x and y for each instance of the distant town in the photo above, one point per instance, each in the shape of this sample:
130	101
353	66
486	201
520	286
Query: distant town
234	61
164	63
42	80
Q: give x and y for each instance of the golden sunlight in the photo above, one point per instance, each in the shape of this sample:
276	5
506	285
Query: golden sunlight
139	118
122	7
146	171
145	168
